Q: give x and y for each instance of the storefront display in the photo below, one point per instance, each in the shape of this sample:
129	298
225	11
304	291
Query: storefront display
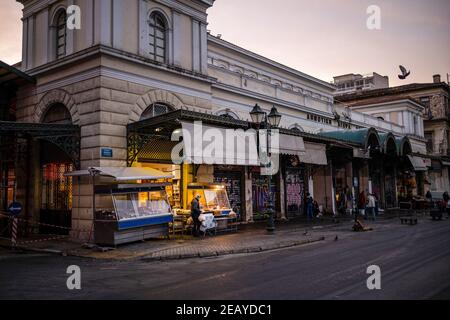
129	204
214	198
131	213
260	188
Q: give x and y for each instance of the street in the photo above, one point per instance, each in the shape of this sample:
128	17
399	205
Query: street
414	262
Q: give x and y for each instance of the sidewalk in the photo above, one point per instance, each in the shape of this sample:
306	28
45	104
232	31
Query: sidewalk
251	238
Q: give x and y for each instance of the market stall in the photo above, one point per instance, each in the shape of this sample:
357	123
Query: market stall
129	204
214	200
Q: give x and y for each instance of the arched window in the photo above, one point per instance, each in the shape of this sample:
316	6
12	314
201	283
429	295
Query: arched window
297	128
61	34
155	110
57	114
157	37
228	114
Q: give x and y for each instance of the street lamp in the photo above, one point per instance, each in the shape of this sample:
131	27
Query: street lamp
259	117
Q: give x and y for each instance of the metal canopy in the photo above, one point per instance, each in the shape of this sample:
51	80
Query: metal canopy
388	143
418	163
403	146
11	75
359	137
142	133
66	137
122	174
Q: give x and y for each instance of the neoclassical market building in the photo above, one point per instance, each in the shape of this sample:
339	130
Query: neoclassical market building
111	94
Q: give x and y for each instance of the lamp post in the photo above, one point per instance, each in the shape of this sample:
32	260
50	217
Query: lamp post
261	119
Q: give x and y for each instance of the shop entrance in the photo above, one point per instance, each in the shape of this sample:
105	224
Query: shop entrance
295	189
260	194
56	189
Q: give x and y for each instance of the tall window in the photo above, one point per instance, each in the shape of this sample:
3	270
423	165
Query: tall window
157	37
61	34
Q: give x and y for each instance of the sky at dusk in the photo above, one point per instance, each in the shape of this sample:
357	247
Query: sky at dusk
322	38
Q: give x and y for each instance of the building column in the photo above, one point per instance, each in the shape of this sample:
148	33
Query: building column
333	187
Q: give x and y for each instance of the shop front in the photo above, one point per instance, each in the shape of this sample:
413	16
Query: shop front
295	185
261	192
194	169
237	169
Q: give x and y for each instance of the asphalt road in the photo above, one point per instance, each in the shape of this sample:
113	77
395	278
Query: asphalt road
414	262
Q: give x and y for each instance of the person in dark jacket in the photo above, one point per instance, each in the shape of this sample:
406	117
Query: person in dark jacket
309	206
195	214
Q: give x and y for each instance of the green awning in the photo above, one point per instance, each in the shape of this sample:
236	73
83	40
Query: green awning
403	146
360	137
388	143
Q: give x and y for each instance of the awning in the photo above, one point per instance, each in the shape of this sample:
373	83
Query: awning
290	145
360	137
446	163
418	163
122	173
315	154
214	145
10	74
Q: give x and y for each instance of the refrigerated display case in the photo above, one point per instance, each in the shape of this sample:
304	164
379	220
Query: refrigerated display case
131	213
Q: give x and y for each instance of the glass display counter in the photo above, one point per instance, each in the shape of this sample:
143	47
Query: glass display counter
131	213
214	198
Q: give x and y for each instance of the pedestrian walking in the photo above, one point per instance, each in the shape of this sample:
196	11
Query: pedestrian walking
429	196
371	204
309	206
362	203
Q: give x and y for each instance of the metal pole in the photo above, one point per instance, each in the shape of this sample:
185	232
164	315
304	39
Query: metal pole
270	208
14	230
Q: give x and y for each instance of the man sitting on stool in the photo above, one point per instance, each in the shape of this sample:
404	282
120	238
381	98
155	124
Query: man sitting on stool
195	214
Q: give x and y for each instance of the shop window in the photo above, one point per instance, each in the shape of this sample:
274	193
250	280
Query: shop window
155	110
157	37
56	188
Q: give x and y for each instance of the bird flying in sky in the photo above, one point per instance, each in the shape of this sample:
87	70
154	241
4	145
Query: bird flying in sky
404	74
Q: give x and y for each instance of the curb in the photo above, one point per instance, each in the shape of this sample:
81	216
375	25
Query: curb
211	254
21	248
208	254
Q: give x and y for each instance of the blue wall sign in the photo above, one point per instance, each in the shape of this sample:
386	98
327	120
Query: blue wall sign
107	153
15	208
